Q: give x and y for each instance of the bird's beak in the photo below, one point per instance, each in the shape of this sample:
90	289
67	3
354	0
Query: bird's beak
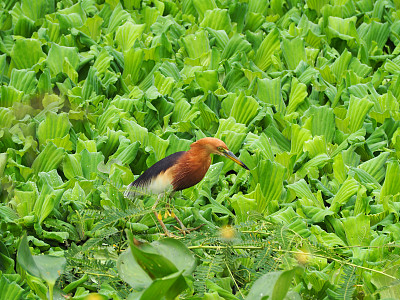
233	157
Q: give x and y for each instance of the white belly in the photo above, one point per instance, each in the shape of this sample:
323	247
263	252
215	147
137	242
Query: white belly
160	184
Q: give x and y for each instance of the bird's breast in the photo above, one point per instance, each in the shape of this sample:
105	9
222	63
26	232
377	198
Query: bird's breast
190	172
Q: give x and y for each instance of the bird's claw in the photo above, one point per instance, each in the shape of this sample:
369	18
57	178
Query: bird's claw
185	230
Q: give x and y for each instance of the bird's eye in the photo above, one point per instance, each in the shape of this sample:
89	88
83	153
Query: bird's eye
220	149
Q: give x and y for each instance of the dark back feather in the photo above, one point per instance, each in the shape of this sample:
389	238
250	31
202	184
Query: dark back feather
145	179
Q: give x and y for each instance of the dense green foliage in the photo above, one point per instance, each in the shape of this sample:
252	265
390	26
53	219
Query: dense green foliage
306	93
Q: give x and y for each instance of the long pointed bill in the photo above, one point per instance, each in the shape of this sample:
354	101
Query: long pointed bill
233	157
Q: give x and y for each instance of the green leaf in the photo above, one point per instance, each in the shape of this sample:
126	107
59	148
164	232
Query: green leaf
341	64
196	45
322	122
297	95
235	44
154	269
133	59
268	47
348	189
49	159
244	109
54	126
299	137
18	54
118	16
10	290
270	176
168	287
376	166
46	267
23	81
177	253
358	109
302	190
131	272
207	80
127	34
293	51
58	55
269	91
202	6
344	29
34	10
217	19
390	185
89	162
273	285
357	229
245	204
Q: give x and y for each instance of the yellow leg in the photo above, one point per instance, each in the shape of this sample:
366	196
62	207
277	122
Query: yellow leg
167	233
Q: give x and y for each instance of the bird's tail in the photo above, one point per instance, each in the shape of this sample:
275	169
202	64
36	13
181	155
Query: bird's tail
133	191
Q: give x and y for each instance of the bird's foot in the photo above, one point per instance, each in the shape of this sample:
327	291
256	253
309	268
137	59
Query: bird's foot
184	230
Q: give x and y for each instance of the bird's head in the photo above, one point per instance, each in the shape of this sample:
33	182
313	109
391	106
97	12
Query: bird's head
218	147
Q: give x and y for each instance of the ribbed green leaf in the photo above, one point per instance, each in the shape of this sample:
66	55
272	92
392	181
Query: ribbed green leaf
133	59
109	119
92	85
312	166
48	159
344	29
270	177
71	166
56	57
358	232
54	126
341	65
376	166
297	95
374	34
9	96
127	34
235	44
268	47
18	54
217	19
358	109
322	122
348	189
89	163
102	62
10	290
315	146
126	152
196	44
260	143
293	51
269	91
390	185
302	190
317	4
70	17
299	136
23	80
202	6
244	109
118	16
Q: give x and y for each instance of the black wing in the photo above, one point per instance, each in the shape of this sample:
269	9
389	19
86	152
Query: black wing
145	179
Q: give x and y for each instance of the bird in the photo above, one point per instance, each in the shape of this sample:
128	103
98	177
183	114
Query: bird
179	171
